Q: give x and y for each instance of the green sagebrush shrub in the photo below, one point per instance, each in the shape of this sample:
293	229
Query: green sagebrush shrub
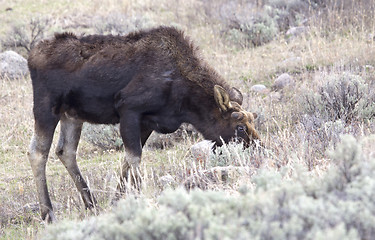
346	97
105	137
256	31
257	25
341	105
283	205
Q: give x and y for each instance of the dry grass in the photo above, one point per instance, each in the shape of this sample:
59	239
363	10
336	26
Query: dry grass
343	47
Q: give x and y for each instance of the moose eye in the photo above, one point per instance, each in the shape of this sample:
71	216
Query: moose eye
241	128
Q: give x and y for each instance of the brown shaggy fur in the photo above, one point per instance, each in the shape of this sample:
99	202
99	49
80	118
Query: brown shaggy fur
151	80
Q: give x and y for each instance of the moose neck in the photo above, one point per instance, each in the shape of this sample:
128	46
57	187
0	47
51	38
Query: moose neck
210	125
199	80
203	113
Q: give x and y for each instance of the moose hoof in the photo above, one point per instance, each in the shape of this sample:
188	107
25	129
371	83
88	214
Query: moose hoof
49	217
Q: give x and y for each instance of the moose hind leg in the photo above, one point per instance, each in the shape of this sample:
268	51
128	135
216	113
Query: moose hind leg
38	156
66	151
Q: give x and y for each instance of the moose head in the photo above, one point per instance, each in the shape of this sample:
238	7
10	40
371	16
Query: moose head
236	124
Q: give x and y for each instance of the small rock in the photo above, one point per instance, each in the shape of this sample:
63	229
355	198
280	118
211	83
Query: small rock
259	88
282	81
166	180
12	65
275	96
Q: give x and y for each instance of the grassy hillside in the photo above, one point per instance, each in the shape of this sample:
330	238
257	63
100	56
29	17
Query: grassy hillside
331	62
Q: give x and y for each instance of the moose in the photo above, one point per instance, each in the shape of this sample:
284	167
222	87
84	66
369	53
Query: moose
148	80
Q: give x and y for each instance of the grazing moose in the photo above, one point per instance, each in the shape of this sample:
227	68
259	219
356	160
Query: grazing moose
146	81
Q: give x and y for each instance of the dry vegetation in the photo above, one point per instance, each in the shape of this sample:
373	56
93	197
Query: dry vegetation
338	43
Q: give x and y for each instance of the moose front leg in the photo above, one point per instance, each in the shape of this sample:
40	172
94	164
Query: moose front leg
130	175
130	129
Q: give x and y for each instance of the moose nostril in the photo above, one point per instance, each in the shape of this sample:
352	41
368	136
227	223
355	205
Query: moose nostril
60	152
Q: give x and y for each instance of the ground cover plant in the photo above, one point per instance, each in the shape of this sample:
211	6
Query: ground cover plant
312	180
288	204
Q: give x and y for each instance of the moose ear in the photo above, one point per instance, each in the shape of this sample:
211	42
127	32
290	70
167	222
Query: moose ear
252	115
222	98
236	95
237	116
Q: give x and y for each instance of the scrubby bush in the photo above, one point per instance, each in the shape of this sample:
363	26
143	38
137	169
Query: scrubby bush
341	105
26	35
287	204
346	97
252	24
255	30
105	137
289	13
255	25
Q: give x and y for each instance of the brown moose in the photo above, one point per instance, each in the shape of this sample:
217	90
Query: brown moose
147	81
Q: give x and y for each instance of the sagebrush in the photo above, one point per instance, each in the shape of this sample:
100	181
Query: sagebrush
290	204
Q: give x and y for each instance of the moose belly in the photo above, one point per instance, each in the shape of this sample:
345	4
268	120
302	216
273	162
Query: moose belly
91	109
160	123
